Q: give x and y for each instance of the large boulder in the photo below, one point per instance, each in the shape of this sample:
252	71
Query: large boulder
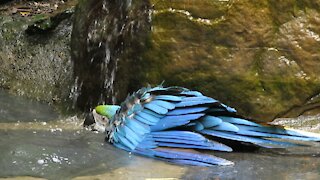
260	57
34	50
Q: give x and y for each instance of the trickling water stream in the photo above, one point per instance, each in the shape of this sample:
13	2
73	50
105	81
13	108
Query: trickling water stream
105	34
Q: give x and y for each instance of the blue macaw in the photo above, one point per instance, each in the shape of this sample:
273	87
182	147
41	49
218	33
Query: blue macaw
171	123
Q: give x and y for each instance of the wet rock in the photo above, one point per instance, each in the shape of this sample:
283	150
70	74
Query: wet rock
36	64
303	122
107	38
261	58
45	24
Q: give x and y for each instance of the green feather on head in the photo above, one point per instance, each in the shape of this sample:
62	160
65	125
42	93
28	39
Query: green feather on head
107	110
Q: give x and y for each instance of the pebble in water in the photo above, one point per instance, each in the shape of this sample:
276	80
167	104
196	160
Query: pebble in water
40	161
56	160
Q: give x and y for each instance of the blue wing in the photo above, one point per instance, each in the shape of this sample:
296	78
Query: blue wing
170	124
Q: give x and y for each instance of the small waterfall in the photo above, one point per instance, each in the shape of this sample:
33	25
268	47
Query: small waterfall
105	32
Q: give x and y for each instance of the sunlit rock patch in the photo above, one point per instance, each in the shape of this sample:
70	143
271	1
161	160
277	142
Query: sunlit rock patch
304	122
261	58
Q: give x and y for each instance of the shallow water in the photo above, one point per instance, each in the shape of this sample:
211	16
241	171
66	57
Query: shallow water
58	148
14	109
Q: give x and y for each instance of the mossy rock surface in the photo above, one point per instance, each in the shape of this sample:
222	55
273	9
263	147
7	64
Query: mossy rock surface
35	54
260	57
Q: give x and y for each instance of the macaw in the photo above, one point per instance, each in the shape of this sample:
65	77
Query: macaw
174	123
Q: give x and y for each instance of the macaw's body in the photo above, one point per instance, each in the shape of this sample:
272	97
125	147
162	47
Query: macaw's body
174	123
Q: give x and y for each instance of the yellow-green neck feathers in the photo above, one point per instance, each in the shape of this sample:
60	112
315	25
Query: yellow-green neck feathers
107	110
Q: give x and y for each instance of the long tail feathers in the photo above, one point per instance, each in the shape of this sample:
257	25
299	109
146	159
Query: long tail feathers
183	156
268	136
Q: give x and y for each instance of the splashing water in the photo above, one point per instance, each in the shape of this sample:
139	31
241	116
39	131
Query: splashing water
101	40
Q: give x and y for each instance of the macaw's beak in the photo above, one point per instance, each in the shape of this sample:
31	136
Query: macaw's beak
93	122
89	120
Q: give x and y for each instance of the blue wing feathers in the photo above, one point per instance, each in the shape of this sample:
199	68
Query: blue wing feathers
143	120
254	140
185	139
144	152
225	126
185	146
198	126
169	98
156	108
271	129
124	132
194	103
152	113
191	156
191	93
174	121
165	122
189	110
179	156
230	109
179	134
199	98
210	121
147	144
164	104
270	135
126	142
186	117
131	134
135	108
239	121
139	127
148	117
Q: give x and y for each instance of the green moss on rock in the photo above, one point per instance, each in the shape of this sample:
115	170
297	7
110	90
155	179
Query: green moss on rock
260	57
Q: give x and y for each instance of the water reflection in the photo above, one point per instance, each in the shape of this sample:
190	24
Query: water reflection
67	154
83	154
261	166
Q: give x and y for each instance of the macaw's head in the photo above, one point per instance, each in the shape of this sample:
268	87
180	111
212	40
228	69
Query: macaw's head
98	118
